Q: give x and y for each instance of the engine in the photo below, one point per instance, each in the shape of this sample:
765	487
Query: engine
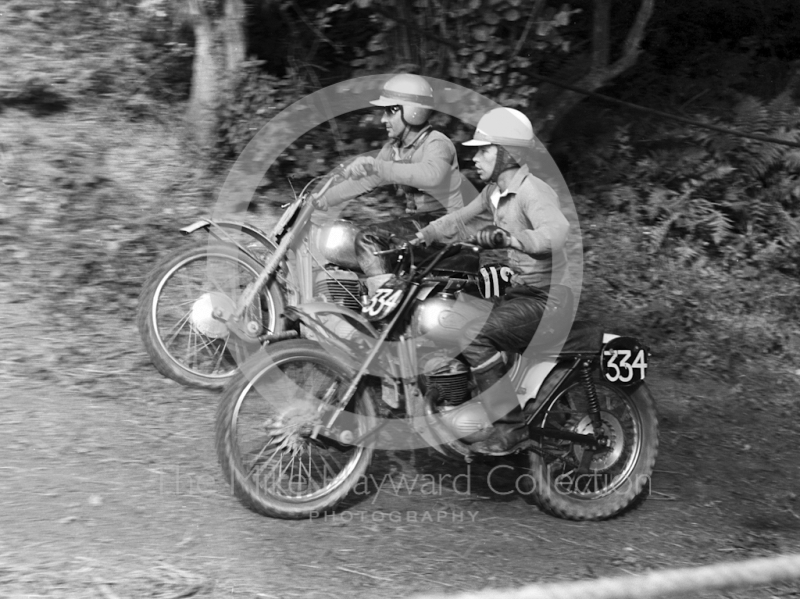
339	286
446	381
448	376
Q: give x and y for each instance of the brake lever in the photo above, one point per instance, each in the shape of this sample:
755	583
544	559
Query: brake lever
391	250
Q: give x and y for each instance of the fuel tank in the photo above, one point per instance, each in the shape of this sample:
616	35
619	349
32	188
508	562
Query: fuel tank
335	242
446	318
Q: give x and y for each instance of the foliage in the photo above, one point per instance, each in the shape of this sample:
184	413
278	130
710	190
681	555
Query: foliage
88	52
695	236
314	38
491	45
701	194
256	97
90	202
253	98
697	318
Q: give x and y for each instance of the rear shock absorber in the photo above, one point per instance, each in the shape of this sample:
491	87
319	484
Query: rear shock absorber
591	395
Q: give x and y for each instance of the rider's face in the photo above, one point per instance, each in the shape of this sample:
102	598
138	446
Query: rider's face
393	121
485	159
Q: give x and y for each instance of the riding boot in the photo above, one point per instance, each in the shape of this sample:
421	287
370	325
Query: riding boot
367	243
499	399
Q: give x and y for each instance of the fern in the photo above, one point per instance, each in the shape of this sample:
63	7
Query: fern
659	233
720	226
686	253
751	116
792	160
717	194
657	199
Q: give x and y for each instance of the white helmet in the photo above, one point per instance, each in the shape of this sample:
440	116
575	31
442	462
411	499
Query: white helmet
411	92
503	127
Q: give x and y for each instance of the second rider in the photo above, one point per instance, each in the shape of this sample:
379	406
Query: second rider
420	159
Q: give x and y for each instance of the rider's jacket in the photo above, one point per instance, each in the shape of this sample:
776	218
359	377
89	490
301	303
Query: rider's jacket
529	210
426	167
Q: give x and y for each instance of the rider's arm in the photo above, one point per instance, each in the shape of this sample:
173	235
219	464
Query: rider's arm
455	224
549	226
351	188
435	166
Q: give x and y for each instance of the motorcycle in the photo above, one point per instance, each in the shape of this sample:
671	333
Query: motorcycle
298	425
188	296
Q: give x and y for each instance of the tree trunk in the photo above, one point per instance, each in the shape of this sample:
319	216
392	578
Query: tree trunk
235	43
219	51
601	71
406	45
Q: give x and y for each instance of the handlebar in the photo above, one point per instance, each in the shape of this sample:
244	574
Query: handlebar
447	251
335	173
405	245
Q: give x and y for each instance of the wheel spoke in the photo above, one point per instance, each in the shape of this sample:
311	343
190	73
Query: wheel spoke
204	345
218	363
278	451
177	328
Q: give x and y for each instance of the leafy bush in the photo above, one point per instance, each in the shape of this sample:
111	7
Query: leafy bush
94	52
694	238
700	194
489	47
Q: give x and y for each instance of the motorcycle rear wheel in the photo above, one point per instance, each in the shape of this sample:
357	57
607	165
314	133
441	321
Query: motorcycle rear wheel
174	315
264	422
619	476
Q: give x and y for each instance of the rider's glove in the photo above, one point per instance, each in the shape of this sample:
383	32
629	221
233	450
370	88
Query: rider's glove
319	202
416	241
493	237
362	166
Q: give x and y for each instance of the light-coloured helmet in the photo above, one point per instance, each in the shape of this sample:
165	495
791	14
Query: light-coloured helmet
411	92
503	127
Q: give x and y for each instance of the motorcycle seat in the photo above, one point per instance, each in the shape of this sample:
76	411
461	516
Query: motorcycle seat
582	337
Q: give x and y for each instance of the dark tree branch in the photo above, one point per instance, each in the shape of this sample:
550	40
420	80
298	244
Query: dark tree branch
538	5
631	49
599	75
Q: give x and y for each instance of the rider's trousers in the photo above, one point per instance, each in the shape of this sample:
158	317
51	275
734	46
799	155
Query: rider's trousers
510	327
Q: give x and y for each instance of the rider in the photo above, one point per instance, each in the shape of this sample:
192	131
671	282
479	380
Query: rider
418	158
531	230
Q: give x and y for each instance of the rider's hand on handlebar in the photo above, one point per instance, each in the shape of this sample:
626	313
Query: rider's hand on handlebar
319	202
493	237
361	167
416	241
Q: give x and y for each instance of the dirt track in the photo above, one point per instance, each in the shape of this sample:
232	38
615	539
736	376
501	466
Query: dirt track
110	487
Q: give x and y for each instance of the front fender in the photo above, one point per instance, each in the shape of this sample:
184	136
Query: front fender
217	229
289	278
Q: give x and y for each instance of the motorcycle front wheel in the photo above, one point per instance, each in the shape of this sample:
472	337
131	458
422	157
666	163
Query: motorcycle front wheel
618	476
264	432
177	306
